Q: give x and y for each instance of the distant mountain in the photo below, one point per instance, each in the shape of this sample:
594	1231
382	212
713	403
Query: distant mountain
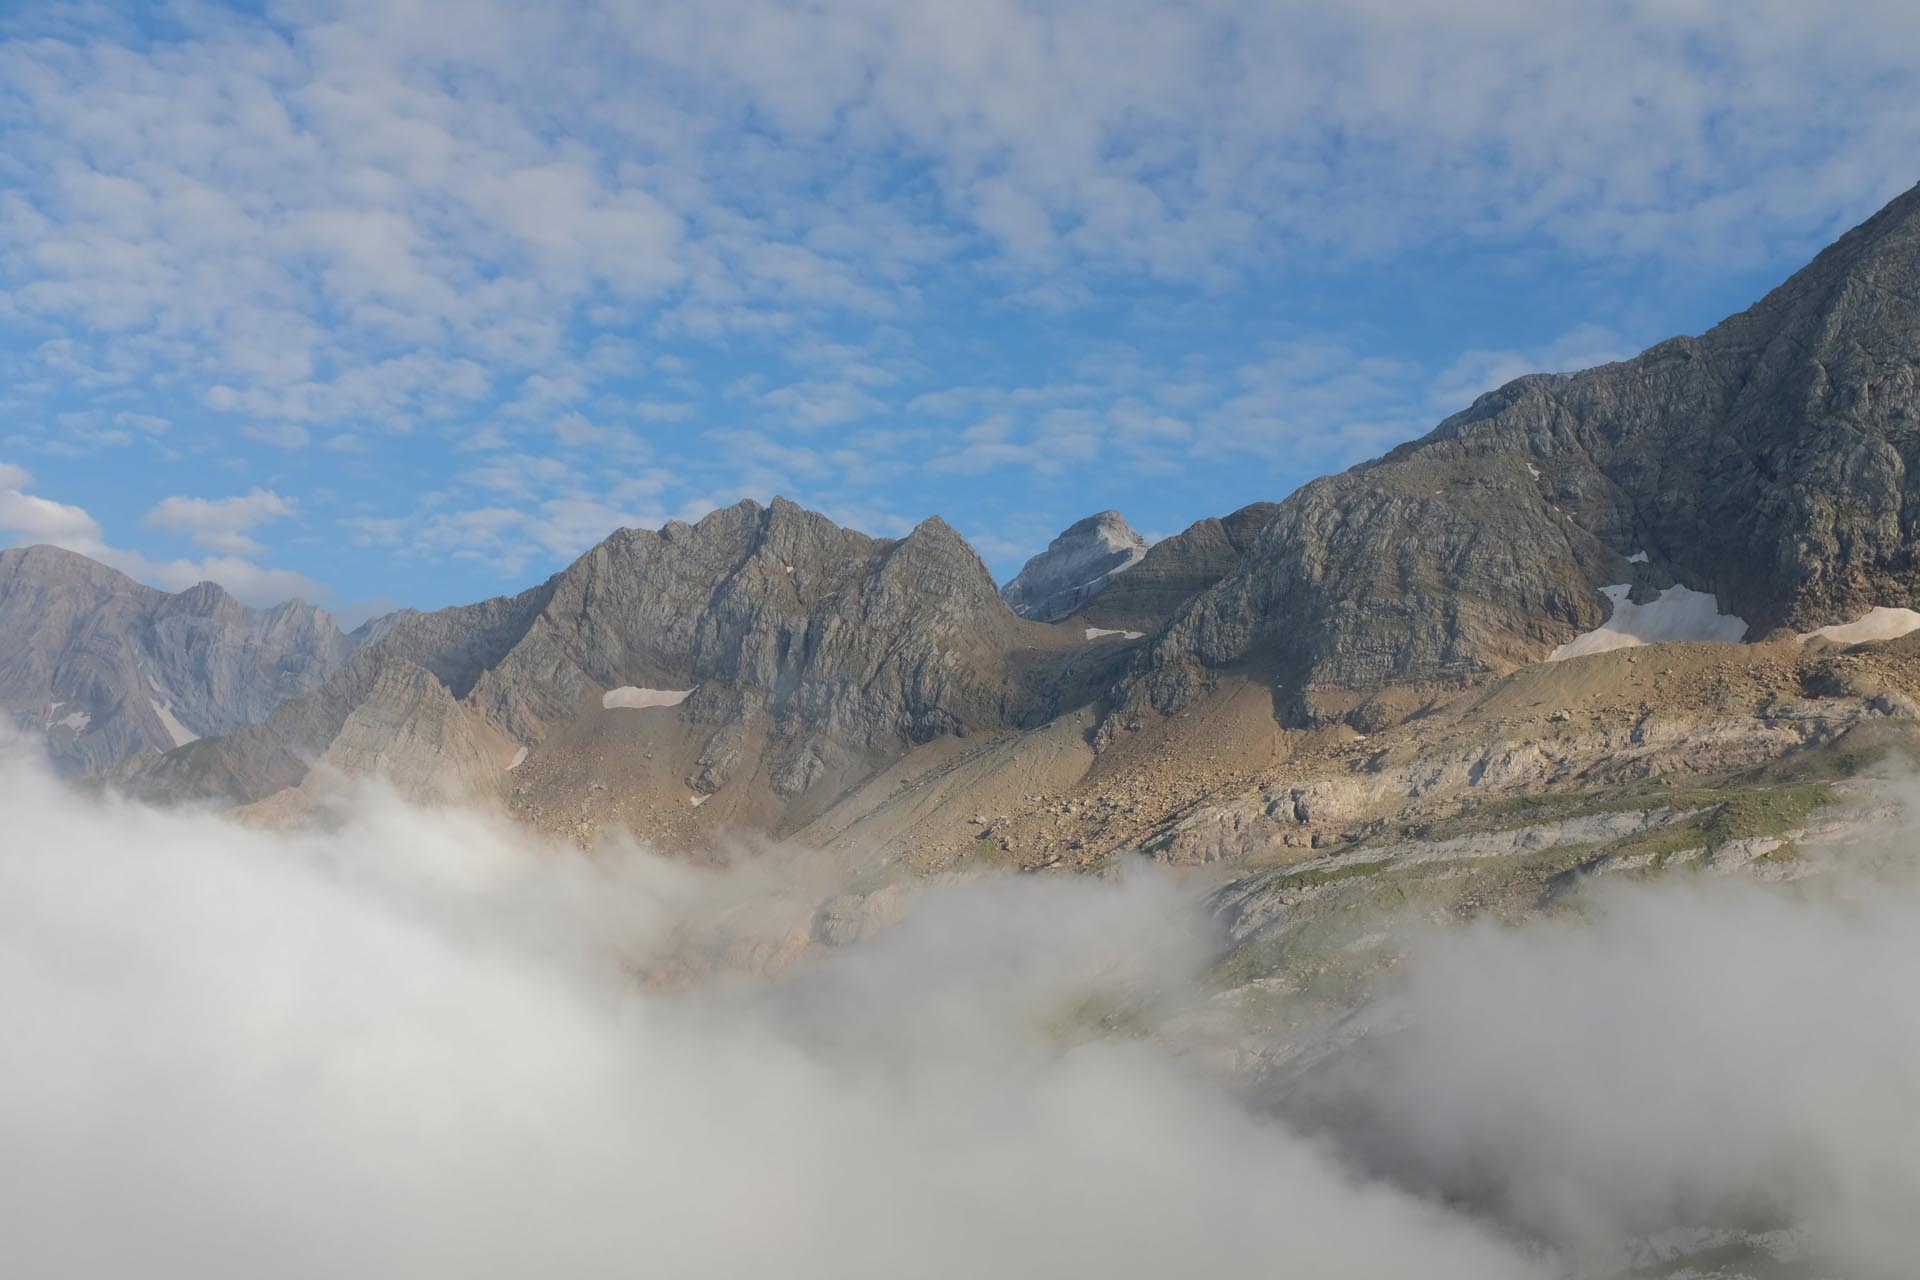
106	667
1102	570
1087	556
1176	569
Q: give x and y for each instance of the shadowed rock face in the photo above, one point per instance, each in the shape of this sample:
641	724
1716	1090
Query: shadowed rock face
1075	567
107	667
827	644
1770	461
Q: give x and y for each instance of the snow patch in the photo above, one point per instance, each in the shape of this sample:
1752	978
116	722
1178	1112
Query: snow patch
1094	633
1877	623
788	568
180	734
1134	556
74	720
1677	615
637	699
1638	557
519	758
1533	471
697	800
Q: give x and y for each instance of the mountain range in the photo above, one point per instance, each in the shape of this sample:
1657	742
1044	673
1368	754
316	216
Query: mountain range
766	673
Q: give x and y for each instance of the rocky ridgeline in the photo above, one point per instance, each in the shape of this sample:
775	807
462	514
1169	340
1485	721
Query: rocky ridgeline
1765	464
826	644
1769	462
106	668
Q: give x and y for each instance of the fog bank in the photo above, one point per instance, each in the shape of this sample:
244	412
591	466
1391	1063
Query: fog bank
1696	1051
427	1043
416	1046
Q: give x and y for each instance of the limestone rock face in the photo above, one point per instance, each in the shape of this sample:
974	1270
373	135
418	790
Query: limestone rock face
1075	567
108	668
1770	462
824	645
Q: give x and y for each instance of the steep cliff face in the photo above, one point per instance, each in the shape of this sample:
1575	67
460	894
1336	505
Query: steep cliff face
1076	566
106	667
801	649
1768	462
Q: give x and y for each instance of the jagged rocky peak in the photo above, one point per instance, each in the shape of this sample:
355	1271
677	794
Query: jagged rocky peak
1773	463
1075	567
106	667
772	625
770	610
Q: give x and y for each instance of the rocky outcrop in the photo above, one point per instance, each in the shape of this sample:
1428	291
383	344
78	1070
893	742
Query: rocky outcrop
815	645
1075	567
1769	462
107	668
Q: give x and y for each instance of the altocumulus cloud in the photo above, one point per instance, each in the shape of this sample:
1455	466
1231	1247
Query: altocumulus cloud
403	229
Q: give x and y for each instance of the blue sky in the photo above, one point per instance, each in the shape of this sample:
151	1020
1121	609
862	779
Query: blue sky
411	301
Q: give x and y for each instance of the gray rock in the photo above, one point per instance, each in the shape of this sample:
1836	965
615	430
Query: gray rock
1074	568
107	668
1176	569
1769	462
831	646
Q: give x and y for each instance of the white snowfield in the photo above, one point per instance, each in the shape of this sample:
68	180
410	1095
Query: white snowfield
1677	615
1878	623
519	758
180	734
1094	633
638	699
696	800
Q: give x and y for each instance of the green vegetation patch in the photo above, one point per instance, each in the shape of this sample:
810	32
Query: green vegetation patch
1739	815
1313	877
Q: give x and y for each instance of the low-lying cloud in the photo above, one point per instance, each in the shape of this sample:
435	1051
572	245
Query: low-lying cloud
415	1046
426	1043
1693	1054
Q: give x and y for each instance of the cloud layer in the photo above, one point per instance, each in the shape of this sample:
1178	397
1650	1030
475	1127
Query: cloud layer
1694	1054
412	1047
425	1042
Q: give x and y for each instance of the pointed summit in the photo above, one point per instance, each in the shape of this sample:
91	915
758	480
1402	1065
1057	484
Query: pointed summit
1074	568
